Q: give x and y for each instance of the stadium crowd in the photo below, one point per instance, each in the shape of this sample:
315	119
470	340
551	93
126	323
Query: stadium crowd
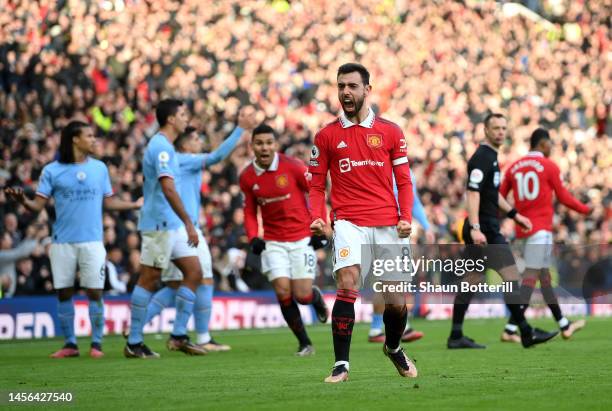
437	68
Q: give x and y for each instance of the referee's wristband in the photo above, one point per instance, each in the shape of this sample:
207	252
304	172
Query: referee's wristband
512	213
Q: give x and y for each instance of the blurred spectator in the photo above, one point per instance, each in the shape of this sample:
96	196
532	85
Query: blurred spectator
10	254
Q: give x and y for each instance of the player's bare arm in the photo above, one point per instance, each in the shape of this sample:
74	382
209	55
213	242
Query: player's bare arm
18	195
116	204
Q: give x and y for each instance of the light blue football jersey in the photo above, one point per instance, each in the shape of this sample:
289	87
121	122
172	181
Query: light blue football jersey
79	190
190	171
160	160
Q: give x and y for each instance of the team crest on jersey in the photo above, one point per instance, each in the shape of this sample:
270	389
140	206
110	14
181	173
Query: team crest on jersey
81	176
344	252
282	181
374	140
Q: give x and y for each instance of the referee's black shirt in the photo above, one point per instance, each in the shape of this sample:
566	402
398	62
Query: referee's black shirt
484	177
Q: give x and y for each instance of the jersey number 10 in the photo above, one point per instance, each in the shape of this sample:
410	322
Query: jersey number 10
528	185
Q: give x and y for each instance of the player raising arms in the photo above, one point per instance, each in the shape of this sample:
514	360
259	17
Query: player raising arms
191	163
481	227
167	234
362	153
80	186
533	179
277	184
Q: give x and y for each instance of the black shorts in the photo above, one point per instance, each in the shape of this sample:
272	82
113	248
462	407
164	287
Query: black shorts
497	253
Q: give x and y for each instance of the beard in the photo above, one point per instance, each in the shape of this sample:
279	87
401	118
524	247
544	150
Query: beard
357	105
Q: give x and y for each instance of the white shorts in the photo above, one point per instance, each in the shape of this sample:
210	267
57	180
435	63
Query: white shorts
295	260
89	257
537	250
172	273
349	239
159	247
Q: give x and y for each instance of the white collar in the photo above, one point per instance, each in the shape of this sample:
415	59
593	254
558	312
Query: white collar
367	122
535	154
273	167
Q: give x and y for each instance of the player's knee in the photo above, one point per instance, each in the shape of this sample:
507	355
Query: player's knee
529	281
65	294
510	273
346	278
303	296
395	308
283	296
94	294
282	292
173	284
148	277
192	277
545	279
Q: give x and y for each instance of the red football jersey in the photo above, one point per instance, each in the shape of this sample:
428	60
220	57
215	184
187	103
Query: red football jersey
533	179
361	160
280	192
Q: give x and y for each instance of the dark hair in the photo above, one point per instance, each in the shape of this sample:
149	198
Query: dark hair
166	108
183	136
491	116
538	135
263	129
72	130
355	67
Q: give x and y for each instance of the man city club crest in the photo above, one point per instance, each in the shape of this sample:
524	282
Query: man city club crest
374	140
81	176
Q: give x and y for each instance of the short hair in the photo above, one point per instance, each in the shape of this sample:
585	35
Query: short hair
538	135
263	129
183	136
491	116
355	67
66	152
165	109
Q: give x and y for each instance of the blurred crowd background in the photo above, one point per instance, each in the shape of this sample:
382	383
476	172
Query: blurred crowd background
438	67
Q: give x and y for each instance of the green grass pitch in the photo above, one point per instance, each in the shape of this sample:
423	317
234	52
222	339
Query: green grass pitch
261	373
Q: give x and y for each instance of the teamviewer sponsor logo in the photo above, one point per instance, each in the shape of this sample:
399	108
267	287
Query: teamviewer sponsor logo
345	165
367	162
